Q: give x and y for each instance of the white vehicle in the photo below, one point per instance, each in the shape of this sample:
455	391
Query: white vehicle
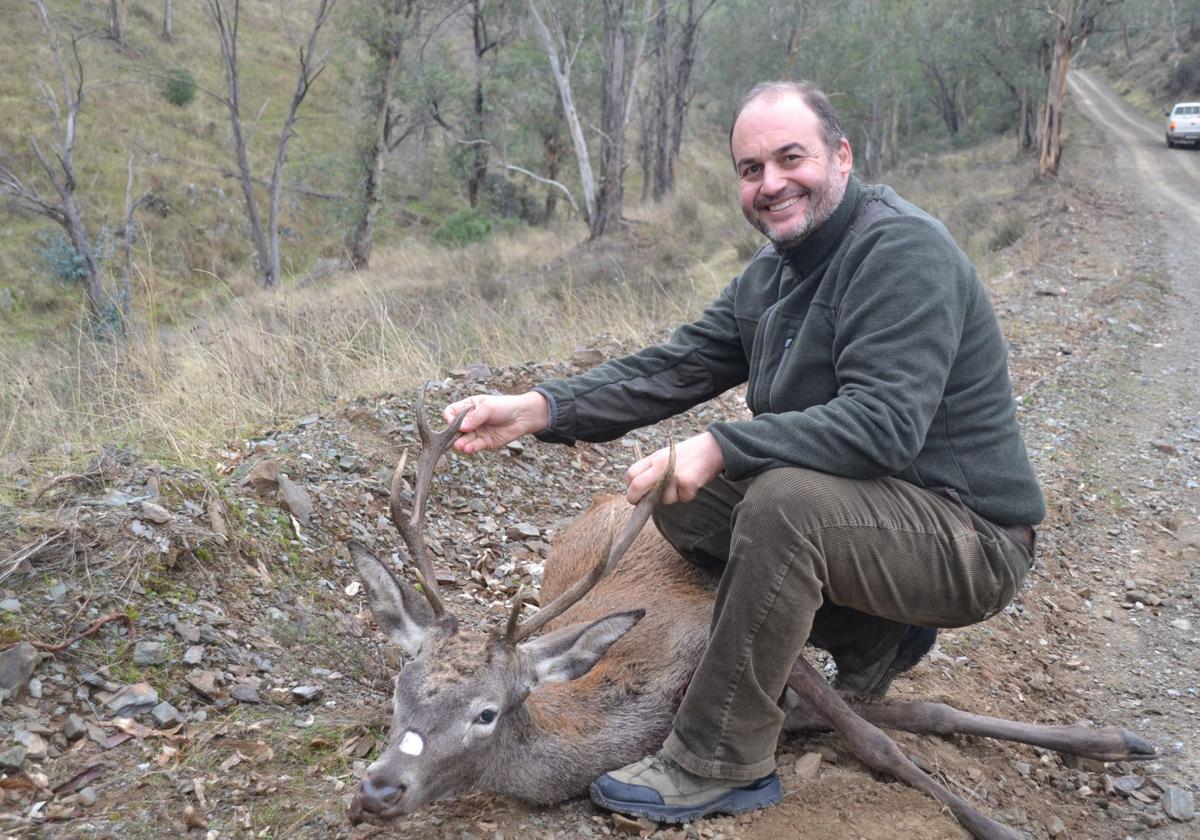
1183	124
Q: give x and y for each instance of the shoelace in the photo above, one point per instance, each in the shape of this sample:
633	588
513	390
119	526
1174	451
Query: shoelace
661	763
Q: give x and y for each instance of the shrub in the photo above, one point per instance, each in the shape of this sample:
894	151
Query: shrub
179	87
1185	77
1010	230
463	228
62	261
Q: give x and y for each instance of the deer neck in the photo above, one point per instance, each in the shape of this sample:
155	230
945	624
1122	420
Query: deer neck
563	737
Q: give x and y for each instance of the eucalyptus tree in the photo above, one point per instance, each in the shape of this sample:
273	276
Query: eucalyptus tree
388	34
225	16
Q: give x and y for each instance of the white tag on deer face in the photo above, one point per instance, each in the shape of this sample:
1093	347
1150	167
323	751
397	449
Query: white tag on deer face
411	743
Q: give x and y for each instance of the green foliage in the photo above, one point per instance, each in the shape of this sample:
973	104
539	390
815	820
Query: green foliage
179	87
58	255
1185	77
463	228
62	261
1010	230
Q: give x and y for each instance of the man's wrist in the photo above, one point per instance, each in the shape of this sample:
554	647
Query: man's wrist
539	411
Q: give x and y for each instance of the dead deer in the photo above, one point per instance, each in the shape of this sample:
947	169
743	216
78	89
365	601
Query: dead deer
538	716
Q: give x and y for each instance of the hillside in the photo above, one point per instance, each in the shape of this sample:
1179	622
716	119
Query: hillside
192	224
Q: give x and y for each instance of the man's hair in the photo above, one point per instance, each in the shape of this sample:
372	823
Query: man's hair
831	126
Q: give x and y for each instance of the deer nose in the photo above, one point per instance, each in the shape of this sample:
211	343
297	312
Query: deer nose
379	795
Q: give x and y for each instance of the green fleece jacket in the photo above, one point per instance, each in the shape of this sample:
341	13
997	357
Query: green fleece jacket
870	350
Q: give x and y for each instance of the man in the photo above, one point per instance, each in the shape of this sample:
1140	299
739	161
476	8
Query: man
881	489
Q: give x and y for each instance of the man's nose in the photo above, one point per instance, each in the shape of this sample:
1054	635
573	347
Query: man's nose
774	180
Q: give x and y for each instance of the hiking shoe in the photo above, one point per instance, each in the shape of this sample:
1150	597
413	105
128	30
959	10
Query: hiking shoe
877	678
658	788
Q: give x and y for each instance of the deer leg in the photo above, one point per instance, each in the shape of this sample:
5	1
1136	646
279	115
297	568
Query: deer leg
870	745
1110	743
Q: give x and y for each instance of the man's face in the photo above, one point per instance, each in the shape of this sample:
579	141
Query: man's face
788	181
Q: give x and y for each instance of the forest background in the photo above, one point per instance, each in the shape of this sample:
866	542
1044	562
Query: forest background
218	215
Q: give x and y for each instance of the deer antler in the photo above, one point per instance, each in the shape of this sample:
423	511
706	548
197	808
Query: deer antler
618	545
412	527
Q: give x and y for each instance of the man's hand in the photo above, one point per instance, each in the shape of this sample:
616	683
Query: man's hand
497	420
698	460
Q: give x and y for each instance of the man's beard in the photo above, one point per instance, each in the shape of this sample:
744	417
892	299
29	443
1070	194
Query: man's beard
821	205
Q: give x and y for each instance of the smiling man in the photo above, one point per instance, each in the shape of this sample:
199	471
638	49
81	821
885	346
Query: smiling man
880	490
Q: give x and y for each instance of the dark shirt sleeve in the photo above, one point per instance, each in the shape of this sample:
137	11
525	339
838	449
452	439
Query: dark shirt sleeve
702	359
897	327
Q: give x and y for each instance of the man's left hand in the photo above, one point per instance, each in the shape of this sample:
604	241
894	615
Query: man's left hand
698	460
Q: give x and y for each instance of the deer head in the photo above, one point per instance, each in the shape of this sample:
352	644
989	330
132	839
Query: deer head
459	702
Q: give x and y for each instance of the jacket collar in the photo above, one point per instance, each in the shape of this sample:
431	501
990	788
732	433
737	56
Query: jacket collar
814	250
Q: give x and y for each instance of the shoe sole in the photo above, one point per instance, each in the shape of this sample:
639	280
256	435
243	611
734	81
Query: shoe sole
737	801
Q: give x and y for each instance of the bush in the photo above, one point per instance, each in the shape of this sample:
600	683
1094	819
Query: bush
179	87
63	262
1185	77
1010	230
463	228
61	259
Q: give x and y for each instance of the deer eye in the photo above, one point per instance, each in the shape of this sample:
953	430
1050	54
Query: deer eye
487	716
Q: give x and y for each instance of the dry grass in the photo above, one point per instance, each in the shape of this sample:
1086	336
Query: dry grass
244	362
257	360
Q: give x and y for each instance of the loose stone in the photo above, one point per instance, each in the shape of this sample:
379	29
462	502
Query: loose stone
1178	804
149	653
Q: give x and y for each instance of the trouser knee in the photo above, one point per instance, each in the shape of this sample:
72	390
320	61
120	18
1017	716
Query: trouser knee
791	498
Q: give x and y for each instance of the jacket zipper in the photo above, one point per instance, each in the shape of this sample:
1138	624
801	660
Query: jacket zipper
787	345
764	404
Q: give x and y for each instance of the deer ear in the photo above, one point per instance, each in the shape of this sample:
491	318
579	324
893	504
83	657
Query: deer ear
571	652
402	612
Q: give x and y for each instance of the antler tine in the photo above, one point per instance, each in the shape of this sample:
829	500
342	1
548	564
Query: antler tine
412	527
618	545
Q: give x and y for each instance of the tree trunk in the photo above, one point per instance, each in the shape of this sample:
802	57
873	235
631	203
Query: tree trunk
475	123
560	66
660	130
362	240
97	300
552	143
1050	145
893	152
168	30
118	14
689	42
614	86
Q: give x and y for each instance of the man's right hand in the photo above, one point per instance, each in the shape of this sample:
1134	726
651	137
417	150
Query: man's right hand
497	420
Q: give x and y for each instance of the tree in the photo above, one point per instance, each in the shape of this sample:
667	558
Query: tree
561	52
63	208
1075	21
384	29
462	106
118	16
225	22
675	43
619	62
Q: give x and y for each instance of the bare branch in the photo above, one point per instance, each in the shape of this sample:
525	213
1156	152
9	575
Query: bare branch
549	181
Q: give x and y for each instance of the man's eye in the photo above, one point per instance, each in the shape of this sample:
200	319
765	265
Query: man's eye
487	716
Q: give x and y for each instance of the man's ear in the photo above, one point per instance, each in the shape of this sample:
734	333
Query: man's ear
402	612
571	652
844	157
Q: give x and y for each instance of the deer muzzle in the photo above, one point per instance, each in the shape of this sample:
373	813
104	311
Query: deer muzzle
377	798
